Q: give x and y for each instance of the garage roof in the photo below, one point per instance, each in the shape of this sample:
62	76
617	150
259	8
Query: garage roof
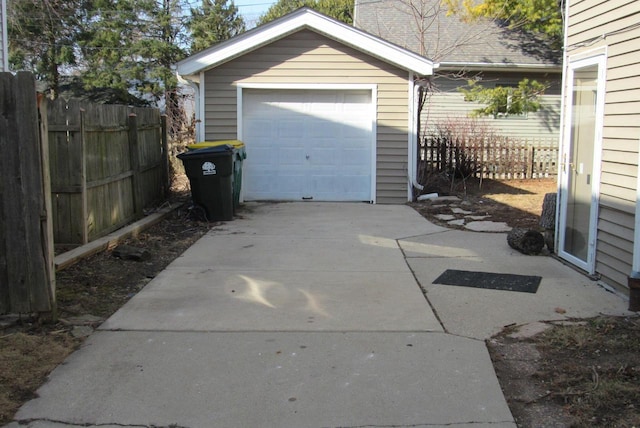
301	19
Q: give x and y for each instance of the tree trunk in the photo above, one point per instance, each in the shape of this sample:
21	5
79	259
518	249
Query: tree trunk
525	241
548	216
548	219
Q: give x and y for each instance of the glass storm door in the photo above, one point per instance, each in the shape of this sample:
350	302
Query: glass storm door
580	163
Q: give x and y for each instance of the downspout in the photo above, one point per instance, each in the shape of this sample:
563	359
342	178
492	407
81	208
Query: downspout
634	279
4	45
414	122
197	110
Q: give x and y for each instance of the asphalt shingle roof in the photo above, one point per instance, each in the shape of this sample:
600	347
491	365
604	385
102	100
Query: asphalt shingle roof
423	27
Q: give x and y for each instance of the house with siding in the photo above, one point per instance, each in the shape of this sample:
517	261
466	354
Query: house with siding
4	49
326	110
481	50
599	188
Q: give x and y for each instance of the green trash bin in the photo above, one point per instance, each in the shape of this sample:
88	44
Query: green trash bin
240	154
210	171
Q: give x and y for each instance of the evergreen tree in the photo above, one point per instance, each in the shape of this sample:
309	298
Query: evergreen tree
213	22
132	44
505	101
341	10
42	37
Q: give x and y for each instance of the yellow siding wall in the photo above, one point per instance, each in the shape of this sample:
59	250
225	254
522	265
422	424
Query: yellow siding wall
597	24
307	57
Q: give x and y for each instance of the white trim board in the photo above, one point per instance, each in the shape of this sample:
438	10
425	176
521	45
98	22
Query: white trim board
305	18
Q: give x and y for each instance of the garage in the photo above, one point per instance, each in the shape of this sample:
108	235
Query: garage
308	144
326	110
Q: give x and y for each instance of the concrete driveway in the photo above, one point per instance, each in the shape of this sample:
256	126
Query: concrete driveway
295	315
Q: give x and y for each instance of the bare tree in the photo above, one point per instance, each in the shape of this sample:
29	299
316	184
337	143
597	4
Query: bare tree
424	26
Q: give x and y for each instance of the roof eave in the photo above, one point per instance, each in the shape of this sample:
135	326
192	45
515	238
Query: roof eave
304	19
487	66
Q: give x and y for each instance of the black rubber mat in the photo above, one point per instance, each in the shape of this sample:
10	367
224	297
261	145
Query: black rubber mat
494	281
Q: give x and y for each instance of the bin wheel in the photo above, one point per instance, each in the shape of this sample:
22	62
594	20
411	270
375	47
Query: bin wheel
198	213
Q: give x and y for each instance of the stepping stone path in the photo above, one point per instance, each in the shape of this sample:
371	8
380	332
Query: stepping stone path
454	212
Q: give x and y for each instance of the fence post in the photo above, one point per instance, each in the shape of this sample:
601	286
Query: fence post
532	160
83	177
46	220
165	156
135	163
26	283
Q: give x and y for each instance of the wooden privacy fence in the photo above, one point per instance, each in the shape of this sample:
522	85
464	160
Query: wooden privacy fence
27	277
495	158
108	163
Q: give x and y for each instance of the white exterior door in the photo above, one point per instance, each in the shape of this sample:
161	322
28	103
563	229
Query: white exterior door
580	174
308	144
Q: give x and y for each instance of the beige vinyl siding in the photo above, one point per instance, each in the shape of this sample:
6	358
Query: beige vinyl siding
596	24
590	19
306	57
448	103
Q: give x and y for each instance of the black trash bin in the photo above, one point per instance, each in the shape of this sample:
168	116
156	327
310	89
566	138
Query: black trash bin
210	172
238	158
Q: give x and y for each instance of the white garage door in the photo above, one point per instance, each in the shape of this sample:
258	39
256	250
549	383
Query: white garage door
307	144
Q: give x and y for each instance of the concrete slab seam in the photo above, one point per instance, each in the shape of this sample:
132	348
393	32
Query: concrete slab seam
422	289
87	424
142	330
423	234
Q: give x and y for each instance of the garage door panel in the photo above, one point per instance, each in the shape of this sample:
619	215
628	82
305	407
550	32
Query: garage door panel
267	155
357	157
358	130
317	151
289	183
288	157
258	129
324	129
352	99
290	128
331	188
323	156
273	186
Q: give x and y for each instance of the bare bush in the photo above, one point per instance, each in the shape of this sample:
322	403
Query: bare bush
464	147
181	124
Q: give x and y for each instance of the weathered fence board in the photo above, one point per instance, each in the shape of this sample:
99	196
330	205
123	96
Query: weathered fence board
496	158
27	279
107	164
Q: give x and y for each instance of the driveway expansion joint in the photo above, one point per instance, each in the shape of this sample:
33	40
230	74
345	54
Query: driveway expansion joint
422	289
89	424
424	234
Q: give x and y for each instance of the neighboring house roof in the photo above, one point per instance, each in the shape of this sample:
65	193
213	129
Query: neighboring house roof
300	19
424	27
